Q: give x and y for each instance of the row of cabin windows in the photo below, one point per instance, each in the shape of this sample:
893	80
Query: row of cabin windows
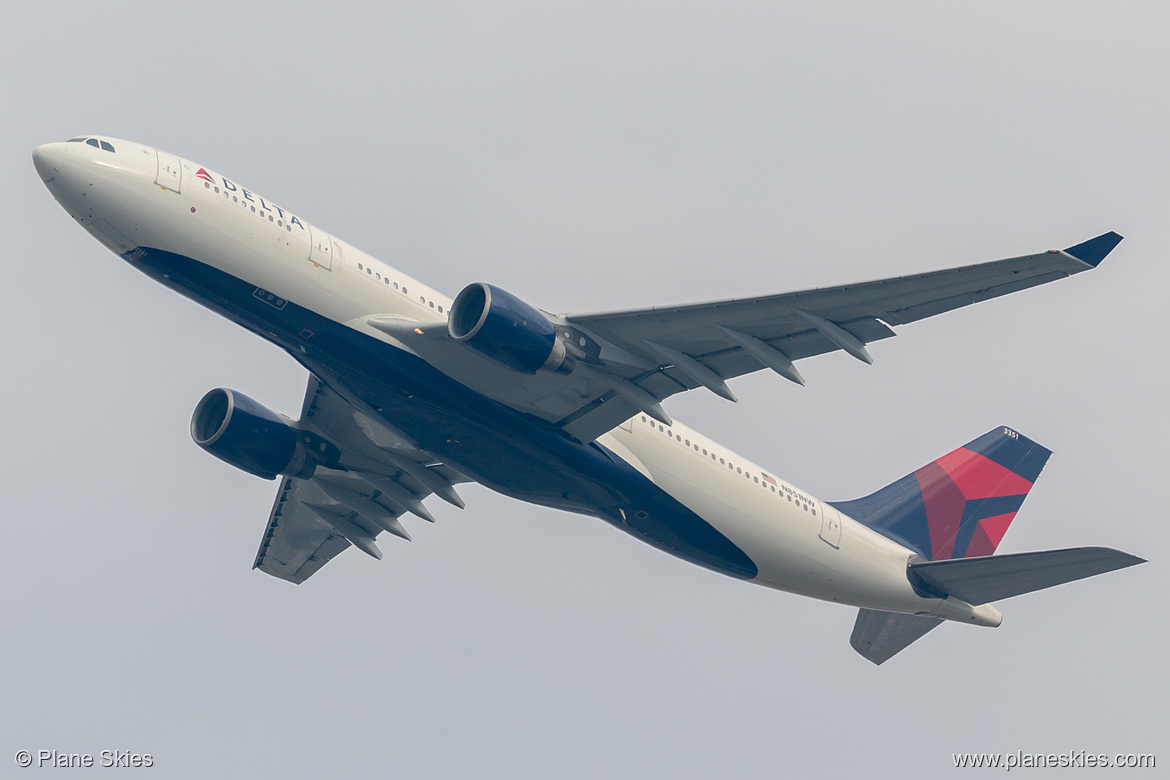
96	143
236	199
723	462
386	280
280	223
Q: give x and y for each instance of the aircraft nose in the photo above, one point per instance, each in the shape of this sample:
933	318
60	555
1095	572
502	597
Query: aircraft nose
48	159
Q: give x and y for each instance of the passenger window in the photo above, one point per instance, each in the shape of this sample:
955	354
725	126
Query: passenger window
94	143
404	291
107	147
432	304
440	310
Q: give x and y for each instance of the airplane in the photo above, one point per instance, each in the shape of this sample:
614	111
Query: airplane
411	393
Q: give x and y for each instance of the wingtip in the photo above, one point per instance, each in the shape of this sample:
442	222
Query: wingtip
1096	249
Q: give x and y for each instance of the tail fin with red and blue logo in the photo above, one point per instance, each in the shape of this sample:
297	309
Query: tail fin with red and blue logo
959	506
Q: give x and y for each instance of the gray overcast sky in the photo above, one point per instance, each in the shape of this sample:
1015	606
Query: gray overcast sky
589	156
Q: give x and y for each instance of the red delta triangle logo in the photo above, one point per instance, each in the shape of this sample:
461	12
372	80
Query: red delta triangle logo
202	174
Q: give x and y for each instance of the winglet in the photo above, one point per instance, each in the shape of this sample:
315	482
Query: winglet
1094	250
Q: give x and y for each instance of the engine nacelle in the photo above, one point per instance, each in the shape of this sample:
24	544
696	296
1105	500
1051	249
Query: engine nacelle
507	330
237	430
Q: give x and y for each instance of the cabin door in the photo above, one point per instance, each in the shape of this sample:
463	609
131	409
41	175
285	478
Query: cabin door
320	248
170	172
830	526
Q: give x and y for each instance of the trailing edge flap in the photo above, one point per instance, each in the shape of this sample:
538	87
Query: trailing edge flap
994	577
879	636
380	476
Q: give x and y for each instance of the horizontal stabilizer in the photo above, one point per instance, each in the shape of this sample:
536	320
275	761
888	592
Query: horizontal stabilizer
879	636
991	578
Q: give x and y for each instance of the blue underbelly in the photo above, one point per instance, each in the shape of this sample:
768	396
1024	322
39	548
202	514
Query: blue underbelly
513	453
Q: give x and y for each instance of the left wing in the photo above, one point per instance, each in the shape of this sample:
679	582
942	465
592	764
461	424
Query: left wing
380	477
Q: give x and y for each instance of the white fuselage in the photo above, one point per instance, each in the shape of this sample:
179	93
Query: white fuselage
798	544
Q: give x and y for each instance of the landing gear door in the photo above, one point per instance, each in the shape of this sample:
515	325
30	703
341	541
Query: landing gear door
320	248
170	172
831	526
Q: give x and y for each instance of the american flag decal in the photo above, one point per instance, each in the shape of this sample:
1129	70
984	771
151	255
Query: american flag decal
768	479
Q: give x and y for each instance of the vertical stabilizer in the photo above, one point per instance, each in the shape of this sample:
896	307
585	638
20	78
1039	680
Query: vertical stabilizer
959	506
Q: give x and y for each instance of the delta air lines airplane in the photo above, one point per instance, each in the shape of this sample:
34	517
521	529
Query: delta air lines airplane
412	393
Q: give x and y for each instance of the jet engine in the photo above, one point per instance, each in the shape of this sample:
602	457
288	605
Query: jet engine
507	330
240	431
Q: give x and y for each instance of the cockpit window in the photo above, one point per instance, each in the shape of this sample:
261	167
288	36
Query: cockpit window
105	146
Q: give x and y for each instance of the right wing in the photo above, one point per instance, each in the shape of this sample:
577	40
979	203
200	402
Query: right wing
380	477
628	361
703	344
